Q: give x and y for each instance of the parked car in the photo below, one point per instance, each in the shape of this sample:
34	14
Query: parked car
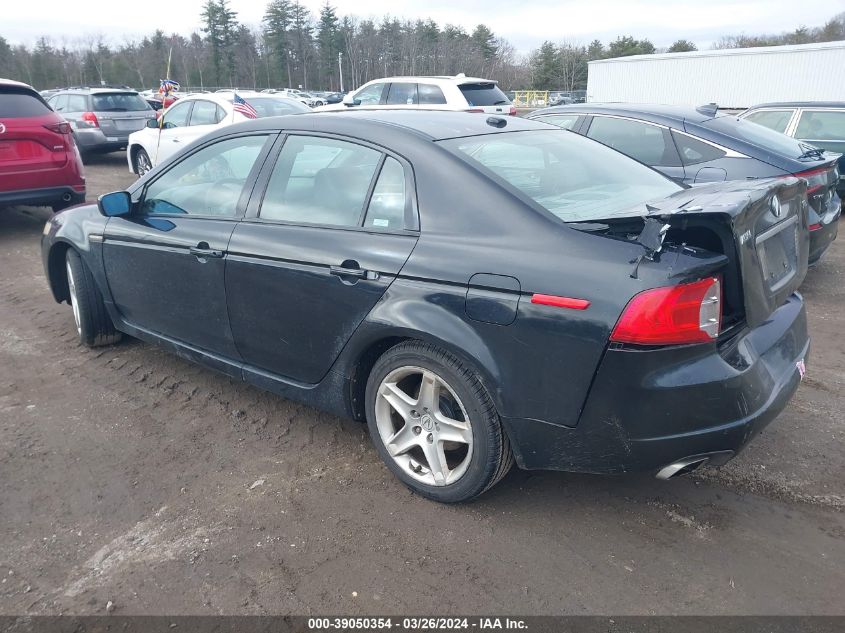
39	162
479	289
559	98
333	97
101	118
695	145
194	116
460	92
819	123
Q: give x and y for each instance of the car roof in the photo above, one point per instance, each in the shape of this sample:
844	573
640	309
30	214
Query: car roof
433	125
656	113
800	104
445	79
11	83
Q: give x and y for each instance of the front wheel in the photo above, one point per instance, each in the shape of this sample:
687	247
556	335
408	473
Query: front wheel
93	324
143	164
434	424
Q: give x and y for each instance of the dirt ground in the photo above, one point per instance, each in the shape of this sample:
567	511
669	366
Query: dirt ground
129	475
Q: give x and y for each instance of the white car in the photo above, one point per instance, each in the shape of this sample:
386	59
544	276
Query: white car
194	116
461	93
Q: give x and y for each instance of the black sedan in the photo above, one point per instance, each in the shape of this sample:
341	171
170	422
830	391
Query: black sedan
700	145
478	289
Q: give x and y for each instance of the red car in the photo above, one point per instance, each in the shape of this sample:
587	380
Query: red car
39	162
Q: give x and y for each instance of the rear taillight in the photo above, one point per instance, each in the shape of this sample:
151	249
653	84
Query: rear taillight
88	119
815	227
59	128
817	179
512	111
674	315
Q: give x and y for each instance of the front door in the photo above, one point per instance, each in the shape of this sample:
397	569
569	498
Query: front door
174	125
336	225
165	262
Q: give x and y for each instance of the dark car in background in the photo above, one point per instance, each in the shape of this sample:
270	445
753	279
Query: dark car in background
819	123
39	162
102	118
698	145
480	289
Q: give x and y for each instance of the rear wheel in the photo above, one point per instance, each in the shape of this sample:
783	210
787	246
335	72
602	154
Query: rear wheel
434	425
93	324
143	164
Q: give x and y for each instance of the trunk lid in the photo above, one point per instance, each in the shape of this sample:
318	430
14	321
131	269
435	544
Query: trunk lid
768	227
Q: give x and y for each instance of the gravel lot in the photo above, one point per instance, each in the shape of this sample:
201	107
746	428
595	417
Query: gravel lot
131	476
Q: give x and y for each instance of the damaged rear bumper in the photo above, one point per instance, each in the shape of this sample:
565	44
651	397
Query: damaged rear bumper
649	408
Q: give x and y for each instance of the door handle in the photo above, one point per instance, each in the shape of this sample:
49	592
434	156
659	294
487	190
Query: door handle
341	271
176	140
202	250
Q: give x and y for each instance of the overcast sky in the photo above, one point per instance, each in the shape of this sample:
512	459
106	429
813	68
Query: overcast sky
524	23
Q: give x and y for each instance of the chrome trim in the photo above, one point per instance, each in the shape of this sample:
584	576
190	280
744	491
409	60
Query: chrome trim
777	228
667	472
95	238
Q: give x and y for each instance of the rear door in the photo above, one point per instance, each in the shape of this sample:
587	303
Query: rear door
402	94
335	225
649	143
31	155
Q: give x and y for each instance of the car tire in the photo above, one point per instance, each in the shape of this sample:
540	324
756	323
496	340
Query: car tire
443	440
143	164
93	324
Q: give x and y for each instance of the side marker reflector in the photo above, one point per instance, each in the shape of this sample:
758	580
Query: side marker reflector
560	302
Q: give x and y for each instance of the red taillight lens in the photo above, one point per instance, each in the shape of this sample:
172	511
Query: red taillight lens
512	111
687	313
89	119
59	128
817	179
815	227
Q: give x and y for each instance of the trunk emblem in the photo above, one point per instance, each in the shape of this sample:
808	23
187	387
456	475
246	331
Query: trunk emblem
802	368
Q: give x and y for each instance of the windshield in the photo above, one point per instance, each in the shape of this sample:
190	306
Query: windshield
274	106
119	102
575	178
757	135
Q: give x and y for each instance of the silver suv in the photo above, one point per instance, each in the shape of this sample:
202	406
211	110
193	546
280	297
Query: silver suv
101	118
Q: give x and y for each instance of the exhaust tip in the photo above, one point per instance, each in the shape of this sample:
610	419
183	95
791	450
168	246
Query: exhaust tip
66	197
682	467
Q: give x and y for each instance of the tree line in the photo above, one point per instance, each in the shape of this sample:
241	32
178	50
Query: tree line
293	47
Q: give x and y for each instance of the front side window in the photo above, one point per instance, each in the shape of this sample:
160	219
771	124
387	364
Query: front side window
177	115
641	141
371	95
402	94
694	151
776	120
429	94
320	181
821	126
569	175
565	121
209	182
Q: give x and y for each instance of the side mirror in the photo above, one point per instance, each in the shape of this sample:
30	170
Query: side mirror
115	204
151	123
350	100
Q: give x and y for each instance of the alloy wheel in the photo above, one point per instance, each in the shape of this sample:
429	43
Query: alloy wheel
143	162
424	425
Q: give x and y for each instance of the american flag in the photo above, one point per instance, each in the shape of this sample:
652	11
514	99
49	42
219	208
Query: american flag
243	107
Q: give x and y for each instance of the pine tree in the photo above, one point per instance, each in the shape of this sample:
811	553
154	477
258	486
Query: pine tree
329	42
277	20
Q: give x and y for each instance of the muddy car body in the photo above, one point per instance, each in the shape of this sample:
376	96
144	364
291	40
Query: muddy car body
585	336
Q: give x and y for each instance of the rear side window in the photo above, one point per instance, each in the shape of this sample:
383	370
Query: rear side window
821	126
387	206
429	94
648	144
205	113
694	151
776	120
18	104
118	102
486	94
320	181
565	121
402	94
